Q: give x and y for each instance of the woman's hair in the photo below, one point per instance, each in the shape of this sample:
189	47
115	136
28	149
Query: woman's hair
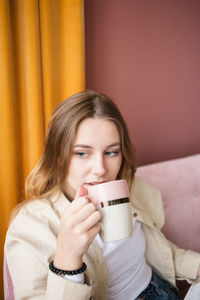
51	170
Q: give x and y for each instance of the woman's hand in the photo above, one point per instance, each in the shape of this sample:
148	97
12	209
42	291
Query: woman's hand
79	226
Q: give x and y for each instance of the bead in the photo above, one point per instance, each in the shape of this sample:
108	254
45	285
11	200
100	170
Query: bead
63	272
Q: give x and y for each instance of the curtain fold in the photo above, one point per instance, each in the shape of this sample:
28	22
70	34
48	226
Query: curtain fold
41	64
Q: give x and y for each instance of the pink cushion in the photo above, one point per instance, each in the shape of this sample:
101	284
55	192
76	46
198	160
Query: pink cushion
179	183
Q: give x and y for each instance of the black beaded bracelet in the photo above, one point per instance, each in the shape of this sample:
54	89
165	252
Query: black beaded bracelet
63	272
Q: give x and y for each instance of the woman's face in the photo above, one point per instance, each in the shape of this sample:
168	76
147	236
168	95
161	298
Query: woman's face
96	155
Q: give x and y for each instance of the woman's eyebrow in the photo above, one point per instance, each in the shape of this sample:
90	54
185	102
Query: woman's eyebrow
90	147
82	146
114	145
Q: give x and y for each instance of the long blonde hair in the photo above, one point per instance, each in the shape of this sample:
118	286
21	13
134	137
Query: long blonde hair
49	173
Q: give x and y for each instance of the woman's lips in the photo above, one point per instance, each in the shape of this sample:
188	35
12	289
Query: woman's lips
96	182
86	185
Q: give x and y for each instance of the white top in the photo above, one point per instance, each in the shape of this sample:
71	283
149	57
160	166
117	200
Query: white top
128	272
194	292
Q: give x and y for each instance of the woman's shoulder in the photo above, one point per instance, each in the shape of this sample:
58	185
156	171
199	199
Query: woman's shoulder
33	229
32	213
31	208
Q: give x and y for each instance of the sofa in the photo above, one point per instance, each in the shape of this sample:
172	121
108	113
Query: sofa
179	183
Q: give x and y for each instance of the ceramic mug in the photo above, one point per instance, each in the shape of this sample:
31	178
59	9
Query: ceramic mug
112	200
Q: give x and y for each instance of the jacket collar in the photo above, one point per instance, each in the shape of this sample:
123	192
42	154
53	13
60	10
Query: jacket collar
147	203
59	202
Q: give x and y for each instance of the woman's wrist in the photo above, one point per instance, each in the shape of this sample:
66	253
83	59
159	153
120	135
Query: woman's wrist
72	272
67	262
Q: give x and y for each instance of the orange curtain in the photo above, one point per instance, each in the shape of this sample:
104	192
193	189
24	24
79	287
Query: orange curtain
41	63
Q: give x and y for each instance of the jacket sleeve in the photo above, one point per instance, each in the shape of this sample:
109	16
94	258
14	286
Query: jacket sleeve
27	254
187	263
60	288
31	281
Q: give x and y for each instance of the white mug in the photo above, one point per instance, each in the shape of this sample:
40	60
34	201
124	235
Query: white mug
112	200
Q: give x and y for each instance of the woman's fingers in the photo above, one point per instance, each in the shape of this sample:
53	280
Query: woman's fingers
83	213
80	208
80	192
77	204
79	201
89	222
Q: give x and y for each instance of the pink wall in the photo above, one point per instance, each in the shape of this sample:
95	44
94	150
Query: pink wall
146	56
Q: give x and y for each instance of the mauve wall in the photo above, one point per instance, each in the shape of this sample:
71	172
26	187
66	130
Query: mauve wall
146	56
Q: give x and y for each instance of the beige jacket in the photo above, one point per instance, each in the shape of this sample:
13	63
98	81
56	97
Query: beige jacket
31	243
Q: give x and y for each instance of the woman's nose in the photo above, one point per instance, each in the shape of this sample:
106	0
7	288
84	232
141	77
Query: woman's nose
99	166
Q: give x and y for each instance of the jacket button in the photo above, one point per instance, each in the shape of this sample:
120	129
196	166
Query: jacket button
135	214
154	224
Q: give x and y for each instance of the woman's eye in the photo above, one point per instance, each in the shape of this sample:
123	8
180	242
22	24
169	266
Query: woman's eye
81	154
111	153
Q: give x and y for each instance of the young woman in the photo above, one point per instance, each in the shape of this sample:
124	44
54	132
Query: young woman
53	249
